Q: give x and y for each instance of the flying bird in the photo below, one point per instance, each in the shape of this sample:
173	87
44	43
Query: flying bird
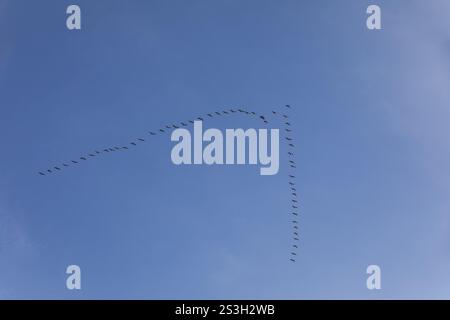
210	115
288	106
218	113
152	133
292	260
200	118
41	173
48	170
295	227
168	127
293	253
287	123
291	176
65	165
83	158
74	161
184	124
225	112
161	130
295	246
57	168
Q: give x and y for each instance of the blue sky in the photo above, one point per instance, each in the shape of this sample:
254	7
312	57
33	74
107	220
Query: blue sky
370	117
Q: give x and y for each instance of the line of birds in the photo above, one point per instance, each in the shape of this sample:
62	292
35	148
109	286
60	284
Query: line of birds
136	141
291	181
164	129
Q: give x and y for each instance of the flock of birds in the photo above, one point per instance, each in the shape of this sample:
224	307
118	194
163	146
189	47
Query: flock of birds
163	130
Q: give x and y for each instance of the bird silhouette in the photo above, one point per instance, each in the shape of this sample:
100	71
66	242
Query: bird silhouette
152	133
183	124
200	118
41	173
295	227
57	168
48	170
296	239
83	158
140	139
218	113
291	176
288	106
74	161
210	115
287	123
161	130
292	260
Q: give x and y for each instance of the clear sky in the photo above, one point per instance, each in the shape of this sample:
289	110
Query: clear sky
370	119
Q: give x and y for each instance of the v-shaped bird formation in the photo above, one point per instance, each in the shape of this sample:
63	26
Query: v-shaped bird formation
281	115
